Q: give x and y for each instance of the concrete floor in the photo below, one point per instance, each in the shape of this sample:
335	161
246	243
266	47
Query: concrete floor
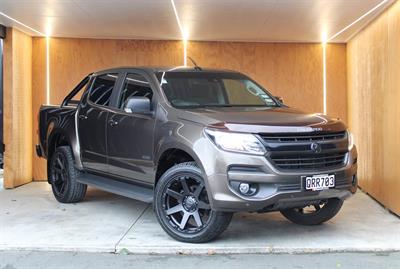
31	219
85	260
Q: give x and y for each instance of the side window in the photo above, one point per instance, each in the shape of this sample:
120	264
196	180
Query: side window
134	85
102	88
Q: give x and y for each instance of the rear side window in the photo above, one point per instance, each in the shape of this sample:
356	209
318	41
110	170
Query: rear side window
135	85
102	88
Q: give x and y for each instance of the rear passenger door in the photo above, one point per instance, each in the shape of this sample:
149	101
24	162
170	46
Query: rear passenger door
130	136
92	122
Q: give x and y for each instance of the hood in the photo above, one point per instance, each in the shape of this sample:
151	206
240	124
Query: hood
262	119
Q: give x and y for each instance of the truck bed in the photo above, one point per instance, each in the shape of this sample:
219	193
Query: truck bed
53	117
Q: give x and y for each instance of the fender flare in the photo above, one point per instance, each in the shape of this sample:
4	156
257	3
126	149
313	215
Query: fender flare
177	145
56	132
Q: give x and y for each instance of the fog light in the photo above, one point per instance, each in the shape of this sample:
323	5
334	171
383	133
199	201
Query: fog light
244	188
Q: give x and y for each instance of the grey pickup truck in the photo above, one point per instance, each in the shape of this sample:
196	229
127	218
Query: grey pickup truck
200	144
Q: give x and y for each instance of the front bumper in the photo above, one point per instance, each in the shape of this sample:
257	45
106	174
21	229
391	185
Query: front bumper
276	190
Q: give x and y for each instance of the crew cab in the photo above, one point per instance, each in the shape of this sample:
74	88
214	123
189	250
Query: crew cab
200	144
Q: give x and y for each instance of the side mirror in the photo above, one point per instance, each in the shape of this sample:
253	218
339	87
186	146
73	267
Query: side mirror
280	99
140	105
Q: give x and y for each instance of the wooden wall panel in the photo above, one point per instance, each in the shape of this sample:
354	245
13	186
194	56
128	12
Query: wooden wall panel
276	66
293	71
17	108
336	81
392	108
374	92
71	59
39	98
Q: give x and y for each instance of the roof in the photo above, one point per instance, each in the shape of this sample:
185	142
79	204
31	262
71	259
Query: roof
155	69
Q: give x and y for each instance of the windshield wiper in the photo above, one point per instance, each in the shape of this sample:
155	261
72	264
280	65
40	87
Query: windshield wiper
219	105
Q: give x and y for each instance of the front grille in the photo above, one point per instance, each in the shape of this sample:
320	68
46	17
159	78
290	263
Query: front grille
305	137
293	151
301	161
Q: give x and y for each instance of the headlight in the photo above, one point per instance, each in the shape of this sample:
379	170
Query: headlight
236	142
351	139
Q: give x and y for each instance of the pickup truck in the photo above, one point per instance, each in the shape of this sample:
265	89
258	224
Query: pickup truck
200	144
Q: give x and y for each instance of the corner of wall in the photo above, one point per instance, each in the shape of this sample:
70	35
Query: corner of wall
17	108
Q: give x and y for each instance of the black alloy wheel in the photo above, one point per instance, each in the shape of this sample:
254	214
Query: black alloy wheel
183	208
59	174
314	214
63	177
186	203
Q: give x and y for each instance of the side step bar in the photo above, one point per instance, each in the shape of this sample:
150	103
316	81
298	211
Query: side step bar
121	188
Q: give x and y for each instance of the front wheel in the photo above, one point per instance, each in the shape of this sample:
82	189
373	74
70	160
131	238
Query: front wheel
182	206
314	214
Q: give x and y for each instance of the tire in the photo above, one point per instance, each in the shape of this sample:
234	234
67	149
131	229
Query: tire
182	206
63	177
322	213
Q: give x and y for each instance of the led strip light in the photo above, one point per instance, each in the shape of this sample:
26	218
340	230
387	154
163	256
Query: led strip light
47	52
359	19
23	24
324	43
324	76
48	70
185	36
184	33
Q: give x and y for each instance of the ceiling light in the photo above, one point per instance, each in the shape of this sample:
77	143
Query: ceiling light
22	24
324	38
324	88
359	19
48	30
184	32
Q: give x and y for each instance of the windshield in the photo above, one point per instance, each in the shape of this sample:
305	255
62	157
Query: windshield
212	89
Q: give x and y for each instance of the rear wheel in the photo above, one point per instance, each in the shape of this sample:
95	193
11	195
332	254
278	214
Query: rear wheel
182	206
63	177
314	214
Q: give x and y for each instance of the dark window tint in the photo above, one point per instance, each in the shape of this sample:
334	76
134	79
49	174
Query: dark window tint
210	89
102	89
134	85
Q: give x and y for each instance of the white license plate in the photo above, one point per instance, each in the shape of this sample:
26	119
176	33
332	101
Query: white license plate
319	182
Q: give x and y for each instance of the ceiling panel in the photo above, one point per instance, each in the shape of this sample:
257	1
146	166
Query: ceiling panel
237	20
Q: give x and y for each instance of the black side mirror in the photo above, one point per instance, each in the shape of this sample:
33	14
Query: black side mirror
280	99
140	105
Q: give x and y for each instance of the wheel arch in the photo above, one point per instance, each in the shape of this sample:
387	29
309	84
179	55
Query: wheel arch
170	155
57	138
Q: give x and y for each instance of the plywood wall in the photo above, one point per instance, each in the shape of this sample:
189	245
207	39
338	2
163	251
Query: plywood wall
292	71
289	70
374	111
72	59
17	108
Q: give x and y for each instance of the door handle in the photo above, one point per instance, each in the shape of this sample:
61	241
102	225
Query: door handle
83	117
112	122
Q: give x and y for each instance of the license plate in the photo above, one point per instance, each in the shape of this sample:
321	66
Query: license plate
319	182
